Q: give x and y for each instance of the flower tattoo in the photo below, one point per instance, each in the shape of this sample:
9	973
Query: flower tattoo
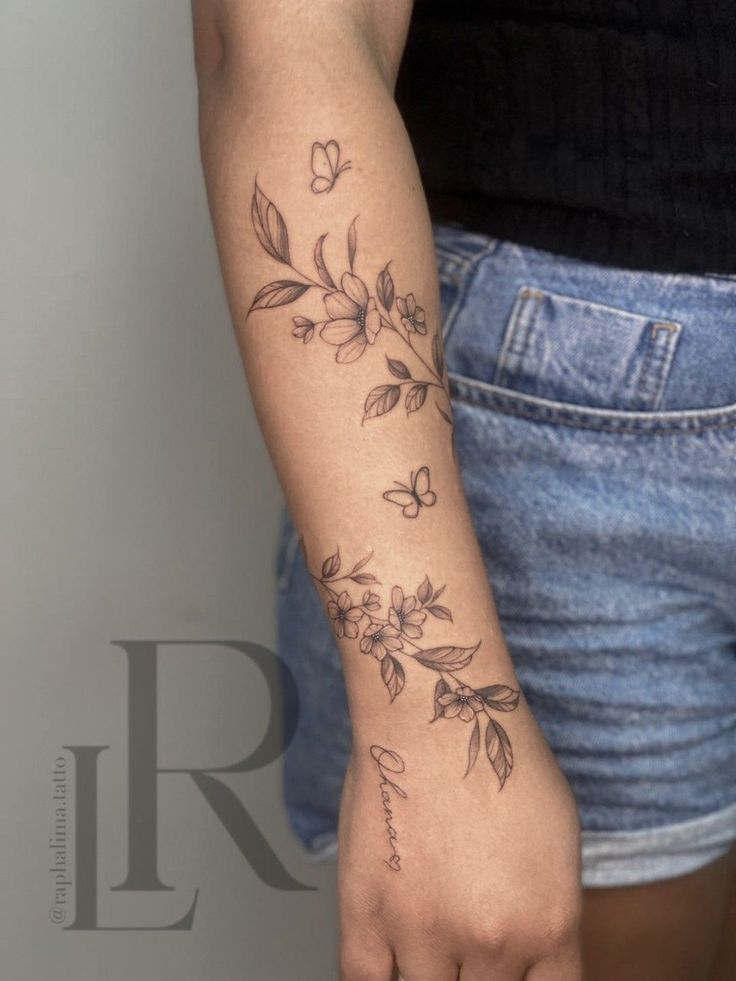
463	702
412	316
355	320
345	617
303	329
379	639
356	317
393	640
404	615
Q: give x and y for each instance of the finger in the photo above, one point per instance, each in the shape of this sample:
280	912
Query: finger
364	960
563	967
483	970
422	963
429	972
492	961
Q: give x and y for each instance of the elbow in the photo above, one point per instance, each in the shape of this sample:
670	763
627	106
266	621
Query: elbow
209	41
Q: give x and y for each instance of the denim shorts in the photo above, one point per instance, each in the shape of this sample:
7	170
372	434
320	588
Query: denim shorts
595	417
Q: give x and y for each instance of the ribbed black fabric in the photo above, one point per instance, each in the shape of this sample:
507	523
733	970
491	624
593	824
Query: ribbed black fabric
600	129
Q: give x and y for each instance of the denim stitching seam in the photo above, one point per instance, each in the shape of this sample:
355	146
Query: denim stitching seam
465	391
516	340
655	368
464	286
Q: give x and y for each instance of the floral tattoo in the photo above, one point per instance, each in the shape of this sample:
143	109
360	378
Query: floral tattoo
397	632
356	318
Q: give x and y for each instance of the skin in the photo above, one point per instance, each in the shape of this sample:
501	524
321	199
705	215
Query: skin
725	959
488	884
677	930
682	929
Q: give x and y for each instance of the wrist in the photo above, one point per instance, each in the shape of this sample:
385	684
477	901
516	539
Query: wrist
451	733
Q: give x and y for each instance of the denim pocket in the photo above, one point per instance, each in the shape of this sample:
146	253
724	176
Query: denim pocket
585	353
562	342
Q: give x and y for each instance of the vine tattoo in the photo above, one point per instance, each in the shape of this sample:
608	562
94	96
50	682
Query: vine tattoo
417	494
392	634
356	318
326	166
389	764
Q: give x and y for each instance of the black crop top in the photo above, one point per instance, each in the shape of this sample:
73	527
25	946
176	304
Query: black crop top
600	129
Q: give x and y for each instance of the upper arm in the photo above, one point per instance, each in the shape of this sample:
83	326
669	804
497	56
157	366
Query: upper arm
252	33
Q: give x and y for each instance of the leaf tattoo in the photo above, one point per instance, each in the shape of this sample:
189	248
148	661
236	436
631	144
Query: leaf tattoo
500	697
394	636
385	288
278	293
352	243
331	565
447	658
392	675
381	400
270	227
319	262
416	397
498	748
473	746
398	369
438	355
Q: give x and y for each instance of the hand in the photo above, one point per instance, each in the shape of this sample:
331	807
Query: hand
445	877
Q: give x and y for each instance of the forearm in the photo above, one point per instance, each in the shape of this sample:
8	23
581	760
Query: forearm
355	410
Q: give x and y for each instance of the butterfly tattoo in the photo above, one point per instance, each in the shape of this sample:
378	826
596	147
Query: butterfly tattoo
326	165
411	498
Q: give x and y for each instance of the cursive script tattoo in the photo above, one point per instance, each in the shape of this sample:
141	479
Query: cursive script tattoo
395	637
326	166
417	494
389	764
357	319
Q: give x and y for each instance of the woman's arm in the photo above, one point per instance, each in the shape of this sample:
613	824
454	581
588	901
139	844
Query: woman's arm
328	262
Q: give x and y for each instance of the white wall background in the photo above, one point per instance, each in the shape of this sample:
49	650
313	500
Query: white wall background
139	501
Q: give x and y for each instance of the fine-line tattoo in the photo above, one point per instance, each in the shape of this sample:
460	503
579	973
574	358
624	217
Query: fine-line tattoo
326	166
389	764
417	494
396	635
356	318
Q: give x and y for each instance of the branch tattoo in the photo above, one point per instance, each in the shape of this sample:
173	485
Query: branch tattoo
356	318
394	636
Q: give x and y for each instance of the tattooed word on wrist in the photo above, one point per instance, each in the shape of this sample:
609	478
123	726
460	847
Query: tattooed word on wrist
326	166
389	764
417	494
356	318
395	637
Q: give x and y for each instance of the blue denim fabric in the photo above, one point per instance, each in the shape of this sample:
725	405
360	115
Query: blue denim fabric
595	415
